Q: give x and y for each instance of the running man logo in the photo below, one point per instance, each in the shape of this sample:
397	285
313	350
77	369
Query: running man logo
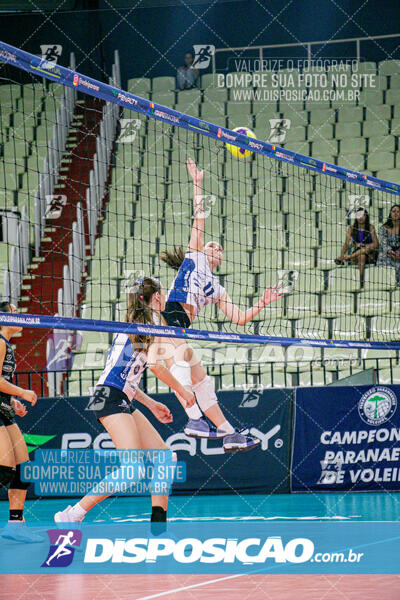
251	398
203	54
279	129
63	543
356	202
203	206
54	205
51	52
129	130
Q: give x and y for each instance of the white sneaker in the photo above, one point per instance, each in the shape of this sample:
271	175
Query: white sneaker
65	516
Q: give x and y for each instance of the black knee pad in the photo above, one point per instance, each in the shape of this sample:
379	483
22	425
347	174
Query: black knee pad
16	483
6	475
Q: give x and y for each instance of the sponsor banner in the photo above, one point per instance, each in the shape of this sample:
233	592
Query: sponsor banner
49	69
69	423
347	439
209	548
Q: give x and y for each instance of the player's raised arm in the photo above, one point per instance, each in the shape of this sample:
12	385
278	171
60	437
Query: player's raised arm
240	317
196	243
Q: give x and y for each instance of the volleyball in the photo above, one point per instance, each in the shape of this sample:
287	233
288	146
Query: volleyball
241	152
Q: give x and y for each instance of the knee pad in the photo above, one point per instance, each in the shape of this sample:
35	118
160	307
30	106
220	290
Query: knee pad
205	394
16	483
6	475
181	371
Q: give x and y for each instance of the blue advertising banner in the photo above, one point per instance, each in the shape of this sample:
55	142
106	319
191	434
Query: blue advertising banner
69	423
207	548
347	438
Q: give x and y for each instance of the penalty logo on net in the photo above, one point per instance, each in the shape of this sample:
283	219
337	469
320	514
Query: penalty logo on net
377	405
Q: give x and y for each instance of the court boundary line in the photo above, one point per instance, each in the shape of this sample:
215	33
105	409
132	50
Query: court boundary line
188	587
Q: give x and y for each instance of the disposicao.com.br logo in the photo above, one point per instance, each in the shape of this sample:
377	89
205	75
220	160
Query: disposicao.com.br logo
248	551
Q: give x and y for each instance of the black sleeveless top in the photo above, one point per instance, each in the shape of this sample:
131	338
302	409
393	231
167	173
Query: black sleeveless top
9	366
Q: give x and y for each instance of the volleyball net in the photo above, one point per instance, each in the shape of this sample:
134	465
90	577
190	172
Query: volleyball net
95	188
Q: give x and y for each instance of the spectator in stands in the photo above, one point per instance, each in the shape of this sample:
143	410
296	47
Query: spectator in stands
389	241
361	245
187	75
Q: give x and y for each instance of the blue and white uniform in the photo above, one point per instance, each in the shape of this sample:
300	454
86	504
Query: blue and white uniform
195	284
117	385
124	367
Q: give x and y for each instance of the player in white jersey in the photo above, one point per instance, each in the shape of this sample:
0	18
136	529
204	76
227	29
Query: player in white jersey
117	390
194	287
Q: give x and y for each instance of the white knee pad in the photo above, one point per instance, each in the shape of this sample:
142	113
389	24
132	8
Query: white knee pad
205	394
181	371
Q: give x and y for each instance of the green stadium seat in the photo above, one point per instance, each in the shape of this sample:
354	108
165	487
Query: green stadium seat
382	143
385	328
323	149
320	132
344	279
379	278
299	147
371	97
337	304
288	108
395	81
350	114
317	377
388	67
192	109
349	328
390	175
378	113
164	97
141	86
301	305
356	145
321	116
209	80
380	160
300	259
327	254
334	235
212	95
371	304
382	359
163	84
392	97
375	128
355	162
310	281
396	302
389	376
338	357
347	130
312	328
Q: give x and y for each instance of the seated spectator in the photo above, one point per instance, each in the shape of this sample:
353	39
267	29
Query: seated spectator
389	241
360	247
187	75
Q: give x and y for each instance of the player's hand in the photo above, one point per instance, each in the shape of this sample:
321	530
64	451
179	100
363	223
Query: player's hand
194	172
188	397
271	294
29	396
162	413
20	409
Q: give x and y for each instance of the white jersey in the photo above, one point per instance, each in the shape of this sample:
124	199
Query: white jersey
195	283
124	366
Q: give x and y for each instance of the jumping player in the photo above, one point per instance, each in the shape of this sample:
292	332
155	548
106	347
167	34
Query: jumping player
194	287
13	450
113	401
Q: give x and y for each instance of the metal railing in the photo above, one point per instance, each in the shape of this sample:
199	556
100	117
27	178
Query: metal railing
239	375
308	46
